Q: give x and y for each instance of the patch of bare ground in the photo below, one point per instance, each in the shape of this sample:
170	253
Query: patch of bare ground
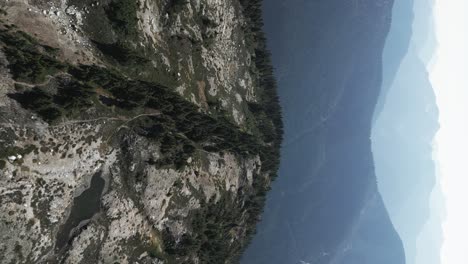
52	27
201	94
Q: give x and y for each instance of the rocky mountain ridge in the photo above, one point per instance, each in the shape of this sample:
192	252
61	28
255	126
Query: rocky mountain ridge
133	131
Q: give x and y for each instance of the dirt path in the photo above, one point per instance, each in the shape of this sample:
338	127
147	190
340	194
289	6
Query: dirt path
127	120
31	85
124	125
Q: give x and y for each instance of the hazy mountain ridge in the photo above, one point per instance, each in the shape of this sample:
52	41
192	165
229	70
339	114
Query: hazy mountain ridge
403	133
396	47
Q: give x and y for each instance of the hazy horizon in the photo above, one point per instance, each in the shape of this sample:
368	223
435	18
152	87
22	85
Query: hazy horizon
403	131
450	84
443	53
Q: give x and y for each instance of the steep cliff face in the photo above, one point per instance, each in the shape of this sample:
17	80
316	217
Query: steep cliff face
133	131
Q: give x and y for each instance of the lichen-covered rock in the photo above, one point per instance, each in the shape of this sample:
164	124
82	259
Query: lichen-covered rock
132	131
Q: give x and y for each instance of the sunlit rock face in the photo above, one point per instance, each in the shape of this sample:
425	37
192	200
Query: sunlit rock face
133	131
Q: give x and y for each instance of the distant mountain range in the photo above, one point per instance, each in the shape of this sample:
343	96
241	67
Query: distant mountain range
325	207
405	123
396	47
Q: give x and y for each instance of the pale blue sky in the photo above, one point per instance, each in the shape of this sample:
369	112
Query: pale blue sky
449	76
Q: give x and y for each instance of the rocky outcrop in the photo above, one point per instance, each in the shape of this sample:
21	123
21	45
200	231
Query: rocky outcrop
132	131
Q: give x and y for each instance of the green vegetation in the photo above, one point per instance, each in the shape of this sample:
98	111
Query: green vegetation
27	61
215	227
122	14
122	53
174	6
14	151
220	230
70	98
181	127
268	110
179	117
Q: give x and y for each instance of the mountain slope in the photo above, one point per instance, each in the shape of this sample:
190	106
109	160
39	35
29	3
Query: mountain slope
325	207
133	131
396	47
402	139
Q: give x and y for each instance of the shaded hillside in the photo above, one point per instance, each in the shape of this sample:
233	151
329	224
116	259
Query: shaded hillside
402	144
327	56
365	234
